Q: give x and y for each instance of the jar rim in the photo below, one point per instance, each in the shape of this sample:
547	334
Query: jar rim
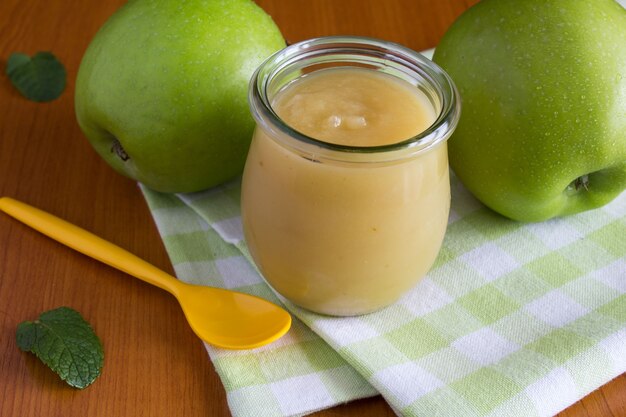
389	53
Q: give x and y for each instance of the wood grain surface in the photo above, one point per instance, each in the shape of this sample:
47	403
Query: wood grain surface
154	364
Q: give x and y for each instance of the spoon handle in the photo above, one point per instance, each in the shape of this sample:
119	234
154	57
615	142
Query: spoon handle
88	244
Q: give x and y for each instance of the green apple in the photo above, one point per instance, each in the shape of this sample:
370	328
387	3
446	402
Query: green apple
543	87
161	92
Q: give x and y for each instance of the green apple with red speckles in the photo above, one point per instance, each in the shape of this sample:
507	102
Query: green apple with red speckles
543	87
161	92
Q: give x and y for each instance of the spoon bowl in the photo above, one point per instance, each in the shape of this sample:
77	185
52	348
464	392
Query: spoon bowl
239	321
223	318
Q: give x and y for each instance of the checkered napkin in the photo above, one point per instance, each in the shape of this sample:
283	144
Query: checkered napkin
514	319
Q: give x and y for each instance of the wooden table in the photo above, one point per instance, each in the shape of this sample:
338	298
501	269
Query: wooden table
154	365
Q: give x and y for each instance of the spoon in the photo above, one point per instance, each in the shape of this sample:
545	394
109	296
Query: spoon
223	318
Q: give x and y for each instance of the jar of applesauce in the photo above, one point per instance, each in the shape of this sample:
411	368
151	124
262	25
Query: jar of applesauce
346	191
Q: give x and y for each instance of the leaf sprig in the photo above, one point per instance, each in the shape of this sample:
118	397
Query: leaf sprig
40	78
65	342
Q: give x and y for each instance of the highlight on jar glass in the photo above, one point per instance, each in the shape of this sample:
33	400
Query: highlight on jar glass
346	191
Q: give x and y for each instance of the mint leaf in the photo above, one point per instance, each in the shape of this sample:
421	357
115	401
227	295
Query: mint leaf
65	342
40	78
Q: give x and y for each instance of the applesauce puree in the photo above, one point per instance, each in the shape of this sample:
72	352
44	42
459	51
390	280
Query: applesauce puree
355	107
346	239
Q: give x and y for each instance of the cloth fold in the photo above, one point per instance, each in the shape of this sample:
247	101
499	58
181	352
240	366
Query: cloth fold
513	319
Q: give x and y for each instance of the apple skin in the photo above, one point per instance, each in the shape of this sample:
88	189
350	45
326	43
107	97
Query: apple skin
161	92
543	87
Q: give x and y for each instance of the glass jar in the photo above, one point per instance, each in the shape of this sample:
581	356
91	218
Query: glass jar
346	230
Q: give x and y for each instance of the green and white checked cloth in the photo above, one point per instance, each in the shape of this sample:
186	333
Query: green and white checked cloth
513	320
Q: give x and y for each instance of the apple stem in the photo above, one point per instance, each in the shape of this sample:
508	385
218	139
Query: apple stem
119	150
582	182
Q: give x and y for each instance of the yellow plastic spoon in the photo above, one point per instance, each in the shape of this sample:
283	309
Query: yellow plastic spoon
223	318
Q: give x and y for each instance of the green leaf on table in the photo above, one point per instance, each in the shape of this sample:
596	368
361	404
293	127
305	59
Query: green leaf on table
40	78
65	342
